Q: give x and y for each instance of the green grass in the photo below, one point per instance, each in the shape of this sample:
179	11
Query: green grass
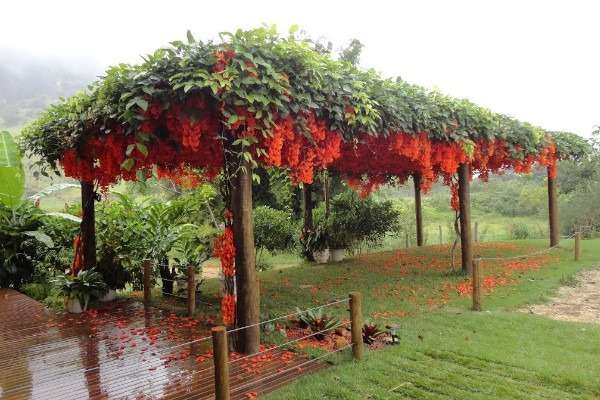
447	351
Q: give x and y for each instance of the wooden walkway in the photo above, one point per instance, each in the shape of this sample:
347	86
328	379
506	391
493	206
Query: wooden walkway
125	351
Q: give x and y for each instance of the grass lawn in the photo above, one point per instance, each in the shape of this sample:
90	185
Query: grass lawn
447	351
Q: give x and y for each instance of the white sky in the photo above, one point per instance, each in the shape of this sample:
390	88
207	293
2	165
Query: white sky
535	60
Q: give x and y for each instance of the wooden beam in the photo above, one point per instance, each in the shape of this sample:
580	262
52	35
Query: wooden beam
418	208
88	225
553	211
248	292
464	198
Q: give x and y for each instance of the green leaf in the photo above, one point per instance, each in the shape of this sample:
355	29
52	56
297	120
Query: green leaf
143	104
233	118
41	237
128	164
12	176
142	148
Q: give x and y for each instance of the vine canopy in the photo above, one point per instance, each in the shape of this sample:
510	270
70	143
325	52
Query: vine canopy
276	100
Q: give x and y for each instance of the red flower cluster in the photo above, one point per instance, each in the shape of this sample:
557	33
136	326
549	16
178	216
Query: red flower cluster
228	309
224	248
289	148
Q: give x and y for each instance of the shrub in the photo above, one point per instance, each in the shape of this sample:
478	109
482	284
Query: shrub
354	220
519	230
274	230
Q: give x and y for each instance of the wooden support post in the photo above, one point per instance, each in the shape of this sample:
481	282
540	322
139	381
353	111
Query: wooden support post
356	324
307	206
406	240
418	208
476	278
476	232
441	235
577	246
221	362
247	285
147	265
88	225
191	290
552	211
464	198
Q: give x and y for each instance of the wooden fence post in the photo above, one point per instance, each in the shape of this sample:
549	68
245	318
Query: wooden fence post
356	324
191	290
577	246
221	362
476	278
418	209
147	265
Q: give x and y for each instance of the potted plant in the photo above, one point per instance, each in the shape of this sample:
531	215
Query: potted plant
339	241
79	290
317	243
114	275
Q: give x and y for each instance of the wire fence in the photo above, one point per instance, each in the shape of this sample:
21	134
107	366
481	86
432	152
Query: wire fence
163	371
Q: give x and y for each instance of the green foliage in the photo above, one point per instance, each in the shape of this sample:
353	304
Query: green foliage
194	245
519	231
87	285
274	230
512	196
269	75
318	322
354	221
22	243
579	209
12	176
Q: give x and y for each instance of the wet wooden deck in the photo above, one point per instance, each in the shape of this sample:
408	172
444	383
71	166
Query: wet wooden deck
125	351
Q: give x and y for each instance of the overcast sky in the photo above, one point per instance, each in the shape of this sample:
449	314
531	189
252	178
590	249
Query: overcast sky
538	61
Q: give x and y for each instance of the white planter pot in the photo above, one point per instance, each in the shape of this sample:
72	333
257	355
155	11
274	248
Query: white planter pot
109	296
73	306
338	254
321	257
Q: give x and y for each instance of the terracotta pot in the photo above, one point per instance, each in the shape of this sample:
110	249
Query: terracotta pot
73	306
321	257
338	254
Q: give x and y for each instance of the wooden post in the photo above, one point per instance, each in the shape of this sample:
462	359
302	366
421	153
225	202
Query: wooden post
356	324
147	265
248	296
476	232
88	225
476	278
418	208
221	362
191	290
577	246
406	240
464	197
552	211
441	236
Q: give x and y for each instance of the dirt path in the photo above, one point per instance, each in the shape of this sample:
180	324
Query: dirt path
580	302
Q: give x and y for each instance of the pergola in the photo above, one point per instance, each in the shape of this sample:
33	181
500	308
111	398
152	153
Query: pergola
258	98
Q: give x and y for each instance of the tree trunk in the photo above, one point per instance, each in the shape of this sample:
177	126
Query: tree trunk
464	198
553	211
248	300
418	208
88	225
308	206
308	216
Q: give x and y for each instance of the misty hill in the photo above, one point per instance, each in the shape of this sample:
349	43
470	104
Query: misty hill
28	84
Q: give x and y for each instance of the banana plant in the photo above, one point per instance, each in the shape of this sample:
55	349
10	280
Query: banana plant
12	176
